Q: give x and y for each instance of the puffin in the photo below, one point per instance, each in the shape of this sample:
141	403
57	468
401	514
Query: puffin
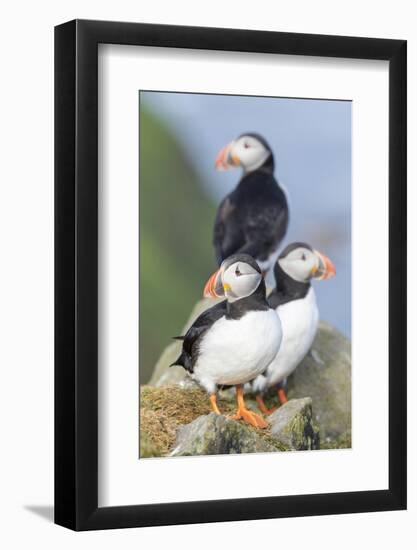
253	218
234	341
295	303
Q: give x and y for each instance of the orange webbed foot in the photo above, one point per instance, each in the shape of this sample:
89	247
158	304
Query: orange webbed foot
251	418
245	414
262	406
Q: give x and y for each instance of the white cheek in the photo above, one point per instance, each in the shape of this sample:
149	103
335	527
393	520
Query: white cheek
229	279
244	285
250	157
254	159
304	270
240	286
297	270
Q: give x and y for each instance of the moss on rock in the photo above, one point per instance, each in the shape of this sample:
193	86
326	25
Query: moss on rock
344	441
294	426
164	410
325	376
213	434
148	449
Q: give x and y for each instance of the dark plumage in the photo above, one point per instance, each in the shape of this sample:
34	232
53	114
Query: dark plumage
288	289
253	218
295	303
234	341
231	310
194	334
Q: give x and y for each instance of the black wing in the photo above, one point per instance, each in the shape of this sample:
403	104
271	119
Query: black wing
228	237
194	334
253	219
264	228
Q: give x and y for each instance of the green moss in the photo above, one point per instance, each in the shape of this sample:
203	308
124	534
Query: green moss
213	434
295	430
148	449
271	440
302	432
344	441
163	410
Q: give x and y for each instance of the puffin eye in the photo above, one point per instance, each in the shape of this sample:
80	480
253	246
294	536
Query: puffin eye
237	272
303	257
246	145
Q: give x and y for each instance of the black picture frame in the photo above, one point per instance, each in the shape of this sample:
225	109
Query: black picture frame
76	272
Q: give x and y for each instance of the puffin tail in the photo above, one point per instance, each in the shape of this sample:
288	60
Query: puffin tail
178	338
184	361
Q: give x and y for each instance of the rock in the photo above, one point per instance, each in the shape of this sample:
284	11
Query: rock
163	410
180	418
293	425
162	373
344	441
213	435
325	376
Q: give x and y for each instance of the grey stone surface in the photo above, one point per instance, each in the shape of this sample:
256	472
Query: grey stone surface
214	434
294	426
325	376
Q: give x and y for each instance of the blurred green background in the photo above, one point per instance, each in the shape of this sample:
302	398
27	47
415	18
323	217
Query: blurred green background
176	255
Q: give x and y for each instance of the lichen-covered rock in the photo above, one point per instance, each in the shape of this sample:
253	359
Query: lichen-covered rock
164	409
167	410
325	376
214	435
343	441
293	425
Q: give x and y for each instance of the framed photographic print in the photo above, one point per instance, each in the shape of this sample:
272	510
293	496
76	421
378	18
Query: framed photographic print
230	252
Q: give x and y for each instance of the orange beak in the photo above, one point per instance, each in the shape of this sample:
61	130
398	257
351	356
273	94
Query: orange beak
224	160
214	287
326	268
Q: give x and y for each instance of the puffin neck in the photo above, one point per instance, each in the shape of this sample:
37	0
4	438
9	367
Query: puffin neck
268	165
255	302
287	289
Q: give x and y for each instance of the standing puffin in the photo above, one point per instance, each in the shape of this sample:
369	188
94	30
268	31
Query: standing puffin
234	341
252	219
295	303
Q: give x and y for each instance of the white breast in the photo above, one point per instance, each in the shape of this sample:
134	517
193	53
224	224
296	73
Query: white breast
299	320
236	351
